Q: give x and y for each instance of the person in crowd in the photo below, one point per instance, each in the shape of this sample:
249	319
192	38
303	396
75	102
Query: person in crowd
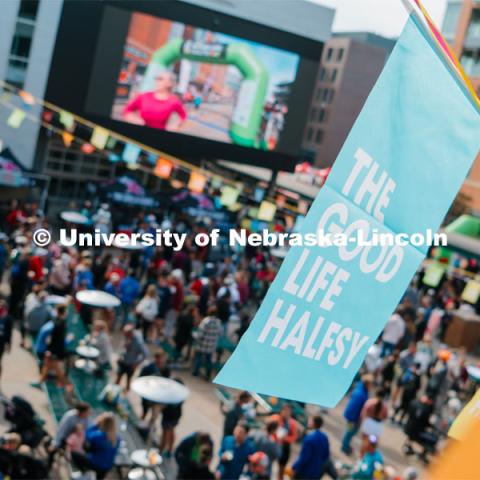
373	414
79	415
410	382
266	441
76	440
392	333
156	109
405	360
287	435
37	316
234	453
18	282
388	371
418	423
314	459
171	415
158	368
236	412
103	444
366	467
129	292
83	274
56	352
209	332
187	453
60	276
147	310
200	469
258	467
185	324
101	340
353	411
5	330
134	352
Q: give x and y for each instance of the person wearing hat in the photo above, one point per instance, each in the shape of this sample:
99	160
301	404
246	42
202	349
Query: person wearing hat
353	411
366	467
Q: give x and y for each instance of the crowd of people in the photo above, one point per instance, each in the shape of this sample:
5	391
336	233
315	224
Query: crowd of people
180	310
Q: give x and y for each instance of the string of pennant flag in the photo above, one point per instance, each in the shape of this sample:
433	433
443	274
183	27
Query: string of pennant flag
90	137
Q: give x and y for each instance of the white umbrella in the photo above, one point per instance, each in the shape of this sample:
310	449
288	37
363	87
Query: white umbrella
74	217
160	390
97	298
55	300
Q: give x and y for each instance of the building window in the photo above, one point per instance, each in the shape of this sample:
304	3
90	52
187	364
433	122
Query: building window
323	72
340	53
21	43
473	32
333	77
329	54
450	21
329	97
319	137
309	134
470	61
319	94
28	9
313	113
321	115
326	93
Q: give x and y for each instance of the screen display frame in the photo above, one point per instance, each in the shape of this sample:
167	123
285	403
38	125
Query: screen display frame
84	75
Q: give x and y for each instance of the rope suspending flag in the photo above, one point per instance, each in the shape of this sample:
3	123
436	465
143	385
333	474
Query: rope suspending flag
398	172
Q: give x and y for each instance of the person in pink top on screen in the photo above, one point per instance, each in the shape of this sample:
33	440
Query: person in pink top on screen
154	109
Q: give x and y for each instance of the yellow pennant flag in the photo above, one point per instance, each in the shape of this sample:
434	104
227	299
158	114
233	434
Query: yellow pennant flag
67	120
267	211
16	118
229	196
67	138
197	182
99	137
163	168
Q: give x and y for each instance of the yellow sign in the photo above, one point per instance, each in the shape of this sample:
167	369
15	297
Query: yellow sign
99	137
469	416
471	292
267	211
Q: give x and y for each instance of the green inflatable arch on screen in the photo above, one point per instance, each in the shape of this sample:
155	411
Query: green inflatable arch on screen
247	115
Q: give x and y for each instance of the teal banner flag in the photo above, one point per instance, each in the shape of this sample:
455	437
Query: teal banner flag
398	172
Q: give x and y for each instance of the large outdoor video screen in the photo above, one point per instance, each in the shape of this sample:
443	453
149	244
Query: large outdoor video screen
190	80
187	80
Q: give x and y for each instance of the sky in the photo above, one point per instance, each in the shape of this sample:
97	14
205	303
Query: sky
385	17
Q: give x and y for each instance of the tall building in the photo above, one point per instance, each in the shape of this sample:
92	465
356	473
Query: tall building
350	66
28	30
461	28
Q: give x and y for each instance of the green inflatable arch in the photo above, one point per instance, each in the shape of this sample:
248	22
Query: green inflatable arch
247	116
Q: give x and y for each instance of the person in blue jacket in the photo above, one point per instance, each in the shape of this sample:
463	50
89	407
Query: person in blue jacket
129	292
102	445
234	453
353	410
314	458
